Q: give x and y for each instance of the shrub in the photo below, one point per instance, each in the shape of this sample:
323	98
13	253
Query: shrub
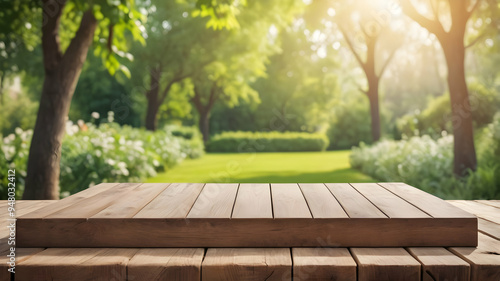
427	164
108	153
267	142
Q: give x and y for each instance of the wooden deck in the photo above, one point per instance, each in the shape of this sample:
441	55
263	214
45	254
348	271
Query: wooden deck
248	215
481	263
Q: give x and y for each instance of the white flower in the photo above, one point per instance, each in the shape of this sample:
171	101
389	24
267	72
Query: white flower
95	115
18	131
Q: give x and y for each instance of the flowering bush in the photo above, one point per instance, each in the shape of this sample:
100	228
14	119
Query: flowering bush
428	164
107	153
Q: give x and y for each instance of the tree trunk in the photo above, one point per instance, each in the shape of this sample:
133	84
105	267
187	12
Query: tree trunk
152	111
61	75
463	146
205	125
374	110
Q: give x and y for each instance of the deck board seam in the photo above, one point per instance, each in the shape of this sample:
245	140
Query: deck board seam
387	216
305	199
195	200
431	216
234	201
341	206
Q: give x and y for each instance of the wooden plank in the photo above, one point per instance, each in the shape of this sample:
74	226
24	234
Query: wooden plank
484	260
247	264
489	228
390	204
68	201
321	201
288	201
76	264
322	264
493	203
22	254
440	264
216	200
132	202
253	201
174	202
426	202
90	206
386	264
484	211
166	264
355	204
299	232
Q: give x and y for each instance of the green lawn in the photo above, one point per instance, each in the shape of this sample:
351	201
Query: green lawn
307	167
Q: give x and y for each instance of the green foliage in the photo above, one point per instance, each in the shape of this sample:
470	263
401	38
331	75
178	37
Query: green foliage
350	124
436	117
18	112
427	164
108	153
267	142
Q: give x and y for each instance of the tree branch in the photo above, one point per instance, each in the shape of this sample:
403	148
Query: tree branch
52	12
386	63
76	53
474	7
433	26
475	40
351	47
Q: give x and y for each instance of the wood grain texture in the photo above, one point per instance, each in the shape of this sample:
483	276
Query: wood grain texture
489	228
174	202
22	254
355	204
288	201
246	233
247	264
426	202
440	264
386	264
322	264
484	260
166	264
216	200
90	206
132	202
390	204
493	203
253	201
68	201
481	210
76	264
321	202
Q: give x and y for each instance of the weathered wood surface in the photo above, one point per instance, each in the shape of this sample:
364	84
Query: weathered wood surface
250	215
480	263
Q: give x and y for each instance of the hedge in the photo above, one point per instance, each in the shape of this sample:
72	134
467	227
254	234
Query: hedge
267	142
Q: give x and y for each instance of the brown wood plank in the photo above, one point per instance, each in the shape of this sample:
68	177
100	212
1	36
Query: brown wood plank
440	264
288	201
321	201
90	206
299	232
355	204
21	255
484	211
386	264
166	264
253	201
132	202
323	264
174	202
426	202
76	264
216	200
68	201
390	204
484	260
489	228
272	264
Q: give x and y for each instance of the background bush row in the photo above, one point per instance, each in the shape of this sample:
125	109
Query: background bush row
267	142
107	153
427	164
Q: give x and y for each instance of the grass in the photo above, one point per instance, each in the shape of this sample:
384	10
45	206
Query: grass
306	167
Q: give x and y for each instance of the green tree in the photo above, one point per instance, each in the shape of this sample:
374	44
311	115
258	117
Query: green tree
448	21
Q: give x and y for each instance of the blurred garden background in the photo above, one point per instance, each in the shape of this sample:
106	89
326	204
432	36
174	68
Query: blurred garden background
250	91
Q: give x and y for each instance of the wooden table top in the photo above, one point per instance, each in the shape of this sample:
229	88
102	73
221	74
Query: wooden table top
248	215
481	263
